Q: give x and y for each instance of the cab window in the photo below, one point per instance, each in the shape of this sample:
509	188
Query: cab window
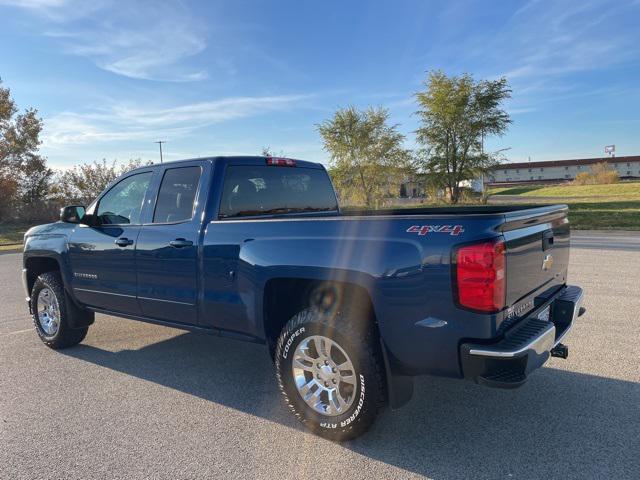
177	195
123	203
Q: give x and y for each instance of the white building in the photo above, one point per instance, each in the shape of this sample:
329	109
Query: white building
556	171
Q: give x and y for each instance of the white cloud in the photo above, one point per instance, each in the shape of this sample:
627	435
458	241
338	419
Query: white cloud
545	40
125	122
35	4
546	48
143	40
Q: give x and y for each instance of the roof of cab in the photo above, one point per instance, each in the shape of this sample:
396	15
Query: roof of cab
234	160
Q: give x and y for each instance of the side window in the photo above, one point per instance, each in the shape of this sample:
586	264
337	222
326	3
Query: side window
123	203
177	195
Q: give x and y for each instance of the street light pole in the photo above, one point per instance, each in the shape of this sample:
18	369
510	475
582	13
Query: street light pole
160	142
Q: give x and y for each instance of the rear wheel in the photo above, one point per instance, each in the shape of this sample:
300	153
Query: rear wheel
51	317
330	374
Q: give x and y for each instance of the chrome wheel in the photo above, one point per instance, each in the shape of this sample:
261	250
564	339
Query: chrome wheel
48	312
324	375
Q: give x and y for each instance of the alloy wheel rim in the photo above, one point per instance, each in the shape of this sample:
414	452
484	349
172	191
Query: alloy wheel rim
48	312
324	375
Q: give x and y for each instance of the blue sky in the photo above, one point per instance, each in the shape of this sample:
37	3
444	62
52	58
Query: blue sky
110	78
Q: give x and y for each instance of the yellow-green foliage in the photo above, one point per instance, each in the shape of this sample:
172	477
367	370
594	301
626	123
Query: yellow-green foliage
600	174
368	160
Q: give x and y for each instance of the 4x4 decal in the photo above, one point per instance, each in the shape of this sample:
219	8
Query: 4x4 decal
424	229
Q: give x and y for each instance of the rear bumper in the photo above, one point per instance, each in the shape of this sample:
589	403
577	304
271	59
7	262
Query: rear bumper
507	363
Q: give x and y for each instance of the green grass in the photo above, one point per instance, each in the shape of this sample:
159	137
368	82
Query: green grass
607	215
513	190
623	190
598	207
11	236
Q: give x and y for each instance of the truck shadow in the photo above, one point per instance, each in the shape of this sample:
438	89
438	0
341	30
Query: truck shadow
560	424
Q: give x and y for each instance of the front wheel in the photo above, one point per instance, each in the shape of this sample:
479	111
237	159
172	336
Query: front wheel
51	314
329	373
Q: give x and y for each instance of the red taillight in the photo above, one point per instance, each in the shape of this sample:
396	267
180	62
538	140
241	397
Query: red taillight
480	276
281	162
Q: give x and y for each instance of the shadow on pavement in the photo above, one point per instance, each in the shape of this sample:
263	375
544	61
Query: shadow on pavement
559	425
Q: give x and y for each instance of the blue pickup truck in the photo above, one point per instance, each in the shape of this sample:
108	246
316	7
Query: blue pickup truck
351	304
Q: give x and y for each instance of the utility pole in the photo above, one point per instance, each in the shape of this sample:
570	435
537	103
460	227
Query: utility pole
160	142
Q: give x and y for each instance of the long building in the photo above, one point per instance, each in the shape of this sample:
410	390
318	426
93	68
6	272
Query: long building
556	171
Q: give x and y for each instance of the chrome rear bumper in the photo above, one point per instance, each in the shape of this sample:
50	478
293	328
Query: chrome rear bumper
526	346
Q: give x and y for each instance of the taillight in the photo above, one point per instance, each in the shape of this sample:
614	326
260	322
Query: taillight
281	162
480	276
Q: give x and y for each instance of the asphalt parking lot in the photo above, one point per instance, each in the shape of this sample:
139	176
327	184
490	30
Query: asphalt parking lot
141	401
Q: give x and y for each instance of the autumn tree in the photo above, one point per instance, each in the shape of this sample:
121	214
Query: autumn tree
367	157
456	115
599	174
24	175
83	183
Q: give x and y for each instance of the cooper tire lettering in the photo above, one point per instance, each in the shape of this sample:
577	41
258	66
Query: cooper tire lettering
285	350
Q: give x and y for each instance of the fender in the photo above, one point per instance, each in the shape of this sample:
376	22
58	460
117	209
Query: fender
50	241
361	262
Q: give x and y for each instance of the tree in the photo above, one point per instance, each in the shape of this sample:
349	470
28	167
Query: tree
83	183
456	114
34	188
268	152
24	176
599	174
368	160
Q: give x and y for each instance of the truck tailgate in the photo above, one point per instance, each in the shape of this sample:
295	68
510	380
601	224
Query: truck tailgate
537	254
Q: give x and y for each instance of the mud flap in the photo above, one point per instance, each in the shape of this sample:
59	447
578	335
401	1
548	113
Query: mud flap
78	317
399	387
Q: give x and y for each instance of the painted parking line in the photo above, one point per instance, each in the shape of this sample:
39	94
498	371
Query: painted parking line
16	332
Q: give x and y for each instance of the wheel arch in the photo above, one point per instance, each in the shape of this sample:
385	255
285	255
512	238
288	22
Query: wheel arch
286	296
37	265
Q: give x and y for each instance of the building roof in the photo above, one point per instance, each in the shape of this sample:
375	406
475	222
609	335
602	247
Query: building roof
569	163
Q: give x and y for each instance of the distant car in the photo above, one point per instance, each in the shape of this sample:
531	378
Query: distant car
351	304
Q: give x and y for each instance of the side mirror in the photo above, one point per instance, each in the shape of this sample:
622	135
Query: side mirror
72	213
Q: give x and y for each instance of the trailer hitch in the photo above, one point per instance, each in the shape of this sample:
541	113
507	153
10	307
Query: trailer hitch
560	351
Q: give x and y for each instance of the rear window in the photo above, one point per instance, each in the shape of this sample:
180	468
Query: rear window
270	190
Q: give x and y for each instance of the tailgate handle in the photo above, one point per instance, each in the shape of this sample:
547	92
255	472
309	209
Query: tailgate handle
547	240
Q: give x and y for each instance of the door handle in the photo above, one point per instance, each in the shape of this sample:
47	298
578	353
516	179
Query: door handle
123	242
180	242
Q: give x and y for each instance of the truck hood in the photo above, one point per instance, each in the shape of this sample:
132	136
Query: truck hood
56	228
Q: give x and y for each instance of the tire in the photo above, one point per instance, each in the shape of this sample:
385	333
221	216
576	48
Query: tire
49	290
300	341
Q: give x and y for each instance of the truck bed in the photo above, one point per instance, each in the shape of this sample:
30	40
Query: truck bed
448	210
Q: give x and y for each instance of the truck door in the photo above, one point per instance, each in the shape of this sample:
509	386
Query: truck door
167	250
102	256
